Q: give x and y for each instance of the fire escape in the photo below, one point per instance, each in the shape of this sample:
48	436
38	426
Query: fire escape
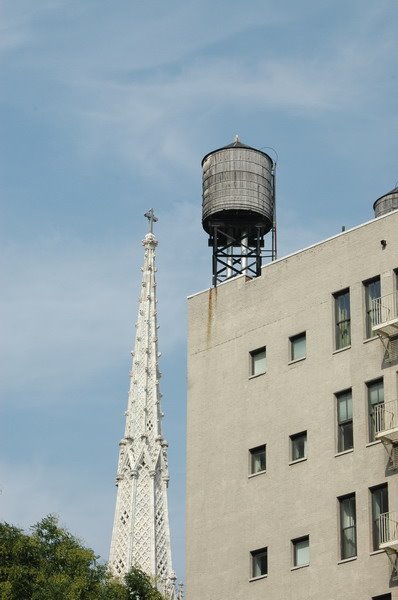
385	325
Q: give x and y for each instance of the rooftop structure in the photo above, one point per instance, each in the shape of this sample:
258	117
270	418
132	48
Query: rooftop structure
238	209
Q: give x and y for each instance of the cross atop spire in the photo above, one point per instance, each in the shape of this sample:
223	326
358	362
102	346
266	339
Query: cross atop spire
150	215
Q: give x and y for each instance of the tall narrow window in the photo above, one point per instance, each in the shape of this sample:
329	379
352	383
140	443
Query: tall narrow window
301	551
257	463
379	506
259	562
348	529
342	319
258	361
375	399
345	437
372	291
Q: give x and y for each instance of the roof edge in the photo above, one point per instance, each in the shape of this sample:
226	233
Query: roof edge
337	235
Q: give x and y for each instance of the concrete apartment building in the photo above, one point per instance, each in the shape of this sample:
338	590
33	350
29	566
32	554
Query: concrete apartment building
292	466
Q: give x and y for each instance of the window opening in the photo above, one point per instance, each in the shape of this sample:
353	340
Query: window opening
298	346
257	459
375	398
259	562
342	319
301	551
379	506
298	446
345	437
258	361
372	291
348	532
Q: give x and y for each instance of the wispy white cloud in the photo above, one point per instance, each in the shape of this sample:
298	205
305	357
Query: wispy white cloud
68	306
63	309
147	116
17	30
153	120
143	35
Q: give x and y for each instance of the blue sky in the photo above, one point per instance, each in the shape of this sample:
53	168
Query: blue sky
106	110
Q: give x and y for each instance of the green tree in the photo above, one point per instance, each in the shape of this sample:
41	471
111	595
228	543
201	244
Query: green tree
51	564
141	585
18	563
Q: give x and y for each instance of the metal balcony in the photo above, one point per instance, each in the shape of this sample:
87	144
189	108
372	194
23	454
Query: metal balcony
388	531
386	421
384	314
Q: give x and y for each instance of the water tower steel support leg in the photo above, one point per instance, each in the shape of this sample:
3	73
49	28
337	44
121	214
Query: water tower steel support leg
215	256
230	259
258	253
274	250
244	248
274	231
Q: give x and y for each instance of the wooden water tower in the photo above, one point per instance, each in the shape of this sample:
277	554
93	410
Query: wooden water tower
238	209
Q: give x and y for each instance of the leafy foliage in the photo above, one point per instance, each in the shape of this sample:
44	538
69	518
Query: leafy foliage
51	564
140	584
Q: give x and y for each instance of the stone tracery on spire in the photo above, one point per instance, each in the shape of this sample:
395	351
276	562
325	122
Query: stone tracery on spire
141	535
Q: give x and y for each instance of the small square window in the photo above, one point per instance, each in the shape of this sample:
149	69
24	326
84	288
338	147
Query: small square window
298	446
298	347
257	460
258	361
259	562
301	551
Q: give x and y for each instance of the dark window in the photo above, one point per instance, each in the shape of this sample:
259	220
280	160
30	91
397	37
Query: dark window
259	562
372	291
257	459
382	597
375	400
345	438
298	446
348	532
379	506
342	319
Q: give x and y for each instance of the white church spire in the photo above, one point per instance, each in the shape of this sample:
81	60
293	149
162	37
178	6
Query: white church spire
141	535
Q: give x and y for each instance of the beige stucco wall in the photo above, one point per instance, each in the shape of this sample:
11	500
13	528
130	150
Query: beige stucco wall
228	513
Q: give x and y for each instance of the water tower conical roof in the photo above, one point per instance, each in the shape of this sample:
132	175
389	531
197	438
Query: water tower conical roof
236	144
390	193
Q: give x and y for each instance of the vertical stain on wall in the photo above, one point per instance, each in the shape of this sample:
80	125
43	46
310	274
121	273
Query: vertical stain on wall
211	305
